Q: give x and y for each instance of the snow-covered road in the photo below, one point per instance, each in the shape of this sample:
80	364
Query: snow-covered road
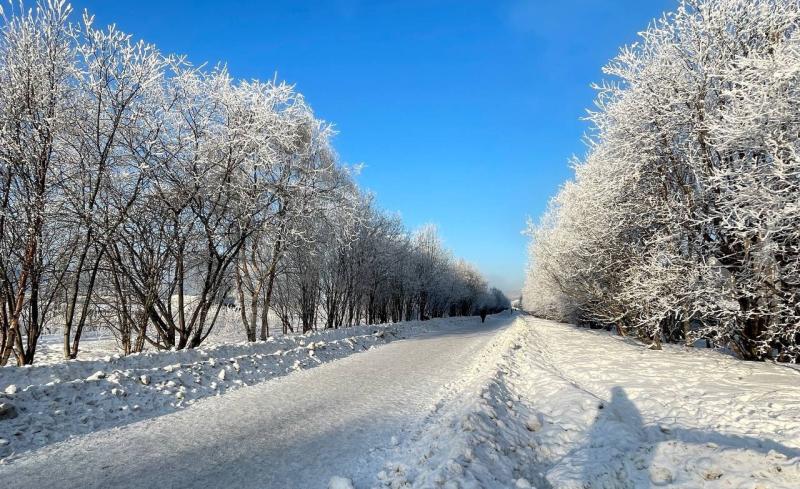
518	402
294	432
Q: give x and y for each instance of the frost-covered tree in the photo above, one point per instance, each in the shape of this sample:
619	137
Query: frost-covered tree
143	194
682	220
37	88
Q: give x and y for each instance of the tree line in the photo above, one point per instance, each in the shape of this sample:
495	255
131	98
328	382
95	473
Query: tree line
144	194
683	219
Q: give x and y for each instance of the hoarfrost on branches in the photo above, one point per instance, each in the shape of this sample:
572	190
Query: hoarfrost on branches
682	220
147	196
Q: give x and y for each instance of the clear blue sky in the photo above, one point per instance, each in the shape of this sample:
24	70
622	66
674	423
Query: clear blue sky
465	113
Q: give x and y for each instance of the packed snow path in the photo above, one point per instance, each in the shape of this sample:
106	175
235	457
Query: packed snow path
294	432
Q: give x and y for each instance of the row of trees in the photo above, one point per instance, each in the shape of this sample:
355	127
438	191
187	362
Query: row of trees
683	220
145	193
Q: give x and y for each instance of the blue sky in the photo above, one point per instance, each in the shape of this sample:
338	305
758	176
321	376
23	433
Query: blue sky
464	113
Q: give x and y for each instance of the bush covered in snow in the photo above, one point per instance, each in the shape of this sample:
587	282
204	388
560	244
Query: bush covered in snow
683	220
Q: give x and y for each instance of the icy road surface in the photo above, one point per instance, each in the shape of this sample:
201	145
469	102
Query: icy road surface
294	432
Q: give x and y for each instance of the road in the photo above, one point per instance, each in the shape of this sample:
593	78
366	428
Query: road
292	432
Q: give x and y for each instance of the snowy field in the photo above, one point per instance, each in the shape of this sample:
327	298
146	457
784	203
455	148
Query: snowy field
99	344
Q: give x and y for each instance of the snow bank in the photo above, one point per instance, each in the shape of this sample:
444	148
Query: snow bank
558	408
49	403
478	439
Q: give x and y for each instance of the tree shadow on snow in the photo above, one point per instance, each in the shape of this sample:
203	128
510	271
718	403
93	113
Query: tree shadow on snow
619	431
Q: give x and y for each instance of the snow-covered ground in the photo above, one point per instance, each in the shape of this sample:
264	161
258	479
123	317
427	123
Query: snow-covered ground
94	346
517	402
100	344
572	408
297	431
55	400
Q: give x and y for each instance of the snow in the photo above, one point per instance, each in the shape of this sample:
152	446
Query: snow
58	400
297	431
517	402
94	346
98	344
340	483
574	408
